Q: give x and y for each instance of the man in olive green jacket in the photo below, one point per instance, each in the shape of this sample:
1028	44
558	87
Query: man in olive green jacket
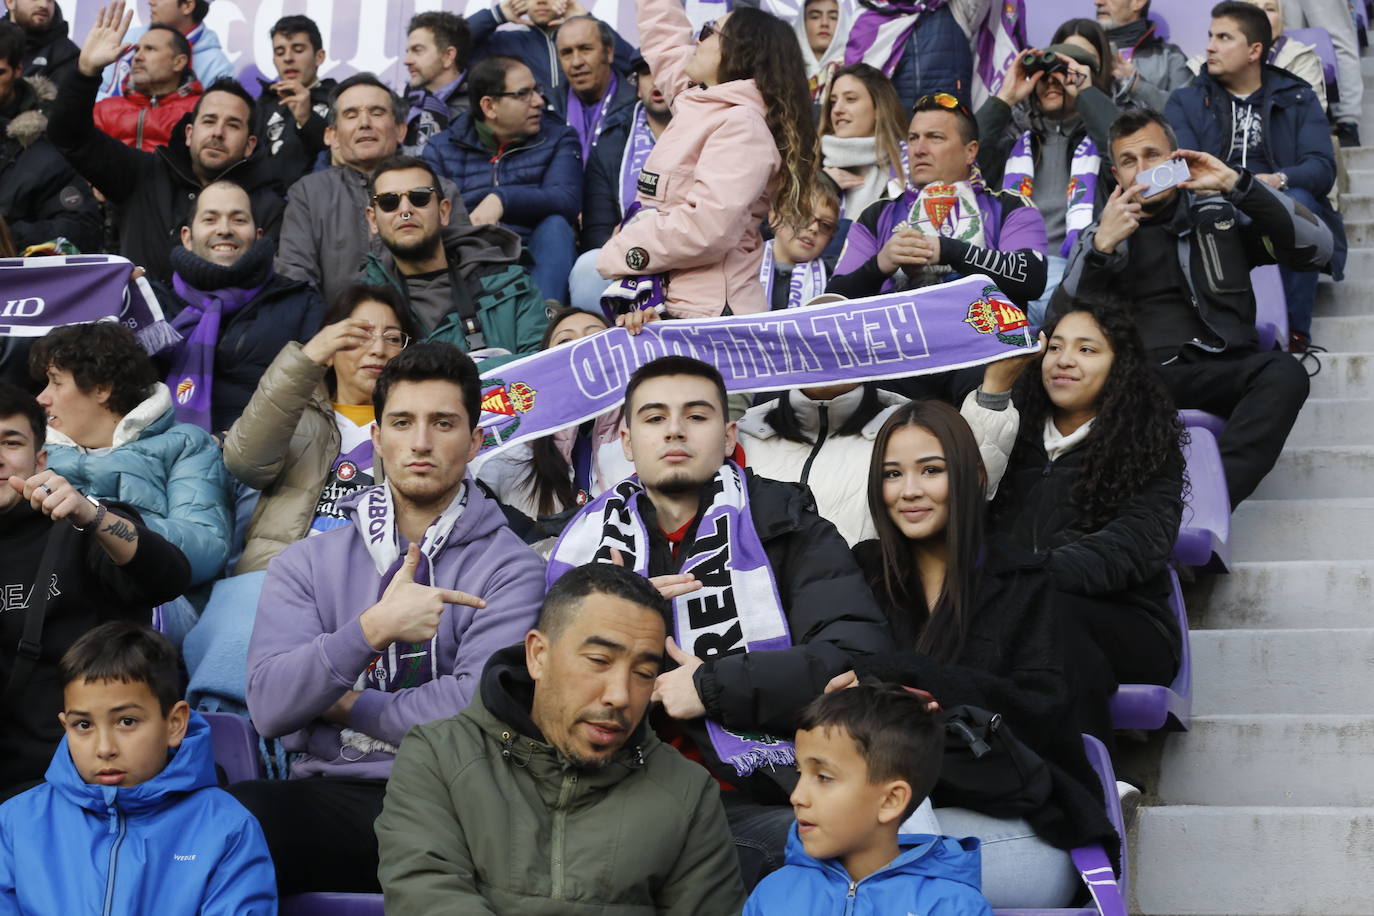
549	795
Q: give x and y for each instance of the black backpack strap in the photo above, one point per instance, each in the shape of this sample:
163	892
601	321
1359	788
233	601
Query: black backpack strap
31	639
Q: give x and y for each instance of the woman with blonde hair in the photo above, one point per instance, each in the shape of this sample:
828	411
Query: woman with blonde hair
863	138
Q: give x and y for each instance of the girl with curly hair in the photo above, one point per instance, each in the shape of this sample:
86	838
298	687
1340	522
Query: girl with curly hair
1095	486
742	141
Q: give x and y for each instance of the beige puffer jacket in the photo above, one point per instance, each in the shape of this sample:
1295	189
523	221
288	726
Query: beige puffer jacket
284	444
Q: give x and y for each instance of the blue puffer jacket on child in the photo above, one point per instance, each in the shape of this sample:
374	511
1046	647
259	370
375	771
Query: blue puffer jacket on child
174	845
933	876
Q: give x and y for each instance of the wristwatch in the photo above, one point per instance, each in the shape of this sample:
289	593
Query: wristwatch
99	514
1283	180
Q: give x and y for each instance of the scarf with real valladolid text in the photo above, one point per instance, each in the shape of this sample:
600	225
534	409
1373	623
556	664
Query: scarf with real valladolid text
1081	190
401	665
807	279
728	558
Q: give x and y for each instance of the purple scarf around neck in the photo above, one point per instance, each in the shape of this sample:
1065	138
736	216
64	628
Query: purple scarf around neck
588	120
193	368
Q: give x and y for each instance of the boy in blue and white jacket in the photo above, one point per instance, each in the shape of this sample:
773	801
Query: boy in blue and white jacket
130	819
868	756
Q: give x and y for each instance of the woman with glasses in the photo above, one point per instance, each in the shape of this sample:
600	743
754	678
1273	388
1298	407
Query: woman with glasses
304	439
741	141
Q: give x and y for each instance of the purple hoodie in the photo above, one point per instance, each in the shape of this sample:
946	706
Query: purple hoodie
308	648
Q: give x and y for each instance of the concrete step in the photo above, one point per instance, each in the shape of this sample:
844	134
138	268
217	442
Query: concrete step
1276	760
1259	672
1303	529
1334	421
1351	333
1362	179
1296	593
1358	206
1321	472
1353	297
1358	158
1344	375
1257	861
1360	233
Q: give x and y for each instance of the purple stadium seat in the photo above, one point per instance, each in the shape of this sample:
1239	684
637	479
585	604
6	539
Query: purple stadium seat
1201	419
235	746
1204	538
1161	26
1271	307
1320	40
1108	891
332	905
1150	707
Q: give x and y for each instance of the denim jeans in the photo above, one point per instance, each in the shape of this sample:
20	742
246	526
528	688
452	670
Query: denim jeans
553	245
1020	870
1054	273
1300	286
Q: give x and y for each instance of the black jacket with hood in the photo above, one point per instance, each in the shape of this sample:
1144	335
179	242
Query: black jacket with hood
49	52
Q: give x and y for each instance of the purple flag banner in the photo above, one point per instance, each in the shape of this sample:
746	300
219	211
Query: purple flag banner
43	293
967	322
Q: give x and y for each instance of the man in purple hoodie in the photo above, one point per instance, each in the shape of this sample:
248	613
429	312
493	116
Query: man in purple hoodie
362	632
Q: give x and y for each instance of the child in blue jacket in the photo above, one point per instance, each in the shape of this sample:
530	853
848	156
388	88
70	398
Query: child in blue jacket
130	820
868	756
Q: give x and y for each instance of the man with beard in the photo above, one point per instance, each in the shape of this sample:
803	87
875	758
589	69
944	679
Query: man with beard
1184	257
560	717
437	49
156	192
159	91
364	633
766	601
48	51
462	283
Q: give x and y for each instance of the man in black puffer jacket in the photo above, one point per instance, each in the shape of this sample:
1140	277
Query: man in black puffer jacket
48	52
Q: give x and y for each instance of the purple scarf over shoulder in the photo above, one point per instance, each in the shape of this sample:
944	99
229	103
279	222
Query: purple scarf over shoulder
588	120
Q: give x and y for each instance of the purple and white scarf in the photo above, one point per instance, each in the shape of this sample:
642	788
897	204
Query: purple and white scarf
42	293
1000	38
728	558
193	366
639	292
807	278
1081	191
588	120
638	146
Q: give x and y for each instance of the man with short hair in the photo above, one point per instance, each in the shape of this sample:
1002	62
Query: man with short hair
42	198
462	283
105	566
48	52
363	631
1184	257
516	167
561	715
291	111
158	92
1146	67
437	49
1268	122
767	602
188	18
596	93
948	223
155	192
234	313
530	29
325	238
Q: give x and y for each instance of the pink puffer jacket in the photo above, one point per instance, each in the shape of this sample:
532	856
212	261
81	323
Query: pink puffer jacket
708	179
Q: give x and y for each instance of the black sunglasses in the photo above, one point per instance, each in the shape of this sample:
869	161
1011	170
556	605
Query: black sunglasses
418	197
708	29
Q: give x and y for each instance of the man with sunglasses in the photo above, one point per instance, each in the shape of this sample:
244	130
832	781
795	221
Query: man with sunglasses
948	223
516	167
462	284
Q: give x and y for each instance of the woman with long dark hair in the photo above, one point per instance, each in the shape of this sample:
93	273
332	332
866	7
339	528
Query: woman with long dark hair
1095	487
742	141
975	626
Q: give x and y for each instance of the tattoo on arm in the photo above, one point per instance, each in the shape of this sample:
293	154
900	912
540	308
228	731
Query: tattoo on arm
120	529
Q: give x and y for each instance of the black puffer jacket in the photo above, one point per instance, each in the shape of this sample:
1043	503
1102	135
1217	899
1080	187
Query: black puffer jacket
831	615
291	149
154	192
1011	663
50	53
1124	561
41	196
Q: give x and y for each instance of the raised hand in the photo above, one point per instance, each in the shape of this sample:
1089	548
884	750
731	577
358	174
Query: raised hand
998	377
105	43
1120	218
1017	84
676	689
55	497
295	97
669	587
1207	172
408	611
1077	79
349	334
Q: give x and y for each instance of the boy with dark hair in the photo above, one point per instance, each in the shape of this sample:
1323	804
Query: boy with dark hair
131	795
290	111
868	757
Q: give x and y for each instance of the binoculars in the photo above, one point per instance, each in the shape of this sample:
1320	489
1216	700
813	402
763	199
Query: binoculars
1045	61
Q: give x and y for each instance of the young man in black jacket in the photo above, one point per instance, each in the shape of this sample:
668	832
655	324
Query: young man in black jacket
102	565
1184	258
767	601
290	113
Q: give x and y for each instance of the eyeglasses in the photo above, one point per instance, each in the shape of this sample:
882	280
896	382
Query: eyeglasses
708	29
823	225
521	95
393	339
418	197
942	100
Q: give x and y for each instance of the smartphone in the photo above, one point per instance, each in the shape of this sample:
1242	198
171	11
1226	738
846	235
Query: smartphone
1163	177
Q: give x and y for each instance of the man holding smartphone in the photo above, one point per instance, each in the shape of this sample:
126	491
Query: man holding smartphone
291	111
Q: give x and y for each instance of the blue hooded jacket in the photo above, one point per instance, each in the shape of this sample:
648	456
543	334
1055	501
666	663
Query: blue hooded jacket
176	844
933	876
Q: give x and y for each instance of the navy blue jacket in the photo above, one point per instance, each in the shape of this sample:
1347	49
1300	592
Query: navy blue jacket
542	177
938	58
534	47
601	190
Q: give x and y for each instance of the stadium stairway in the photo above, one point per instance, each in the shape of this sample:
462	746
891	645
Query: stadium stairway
1267	805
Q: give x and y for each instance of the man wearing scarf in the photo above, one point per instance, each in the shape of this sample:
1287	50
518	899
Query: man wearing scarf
437	46
766	600
596	92
382	624
233	312
948	223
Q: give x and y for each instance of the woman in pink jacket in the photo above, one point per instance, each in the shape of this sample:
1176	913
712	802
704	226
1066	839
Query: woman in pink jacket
742	140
